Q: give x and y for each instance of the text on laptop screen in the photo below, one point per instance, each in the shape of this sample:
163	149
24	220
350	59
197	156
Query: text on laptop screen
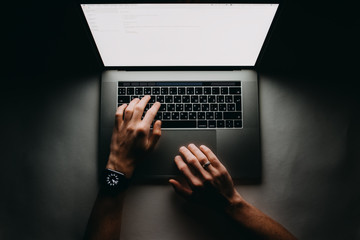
179	34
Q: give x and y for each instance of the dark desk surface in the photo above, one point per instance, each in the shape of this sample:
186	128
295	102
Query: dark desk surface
310	156
310	137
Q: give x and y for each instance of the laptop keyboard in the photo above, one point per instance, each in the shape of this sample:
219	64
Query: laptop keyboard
189	104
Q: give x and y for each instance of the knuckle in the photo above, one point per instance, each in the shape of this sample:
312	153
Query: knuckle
192	161
182	168
216	174
141	130
198	184
203	159
128	111
138	108
208	178
222	171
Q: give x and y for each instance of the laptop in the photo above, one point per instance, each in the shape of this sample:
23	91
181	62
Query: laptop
198	61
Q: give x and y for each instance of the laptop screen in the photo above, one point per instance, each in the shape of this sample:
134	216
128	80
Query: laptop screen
179	34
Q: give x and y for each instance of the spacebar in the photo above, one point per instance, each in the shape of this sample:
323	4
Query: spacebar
178	124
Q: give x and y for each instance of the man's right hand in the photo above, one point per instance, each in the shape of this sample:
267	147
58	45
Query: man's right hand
206	176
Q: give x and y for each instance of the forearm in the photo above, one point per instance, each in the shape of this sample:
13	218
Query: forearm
105	219
256	221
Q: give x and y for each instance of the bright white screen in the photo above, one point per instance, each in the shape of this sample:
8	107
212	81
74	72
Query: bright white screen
179	34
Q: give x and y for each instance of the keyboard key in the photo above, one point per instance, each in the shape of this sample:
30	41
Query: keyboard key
205	107
178	124
152	99
192	115
211	99
170	107
158	116
207	90
194	99
123	99
177	99
238	123
183	115
201	115
164	90
214	107
173	90
156	91
232	115
218	115
198	90
162	108
238	107
121	91
202	124
229	123
235	90
169	99
179	107
203	99
224	90
133	97
139	91
166	116
188	107
212	124
215	90
222	107
181	90
220	99
147	91
130	91
185	99
237	99
160	99
196	107
231	107
190	90
229	99
209	115
175	116
220	123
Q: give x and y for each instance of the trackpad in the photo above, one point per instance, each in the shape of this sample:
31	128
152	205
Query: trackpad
161	164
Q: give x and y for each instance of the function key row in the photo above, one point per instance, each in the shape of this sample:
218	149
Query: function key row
177	90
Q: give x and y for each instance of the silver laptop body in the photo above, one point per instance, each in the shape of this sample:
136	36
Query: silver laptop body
237	147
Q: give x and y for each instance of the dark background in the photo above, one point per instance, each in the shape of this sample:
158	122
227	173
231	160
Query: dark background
48	65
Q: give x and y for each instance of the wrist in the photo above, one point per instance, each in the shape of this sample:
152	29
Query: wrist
235	202
125	167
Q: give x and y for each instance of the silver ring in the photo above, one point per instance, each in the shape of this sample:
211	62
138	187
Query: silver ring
206	164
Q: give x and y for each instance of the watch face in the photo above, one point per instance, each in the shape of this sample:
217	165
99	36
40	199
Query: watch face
112	179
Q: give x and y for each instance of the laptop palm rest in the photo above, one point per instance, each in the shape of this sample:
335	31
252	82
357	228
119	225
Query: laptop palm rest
161	161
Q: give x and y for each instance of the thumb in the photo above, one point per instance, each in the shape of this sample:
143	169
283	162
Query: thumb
155	135
182	190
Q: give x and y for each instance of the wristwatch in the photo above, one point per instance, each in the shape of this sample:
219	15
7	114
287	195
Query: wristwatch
114	181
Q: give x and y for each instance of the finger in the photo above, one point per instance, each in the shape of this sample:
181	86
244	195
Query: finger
130	109
194	162
140	106
151	113
184	191
185	170
155	136
201	158
215	162
119	116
